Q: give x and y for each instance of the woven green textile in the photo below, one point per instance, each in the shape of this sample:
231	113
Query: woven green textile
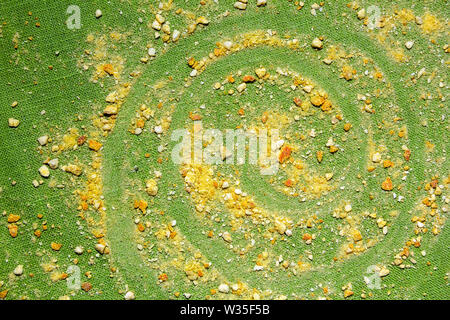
382	68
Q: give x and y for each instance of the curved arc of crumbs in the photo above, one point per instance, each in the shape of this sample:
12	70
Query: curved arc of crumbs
115	156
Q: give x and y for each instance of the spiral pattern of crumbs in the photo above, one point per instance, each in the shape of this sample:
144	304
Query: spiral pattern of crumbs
351	97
